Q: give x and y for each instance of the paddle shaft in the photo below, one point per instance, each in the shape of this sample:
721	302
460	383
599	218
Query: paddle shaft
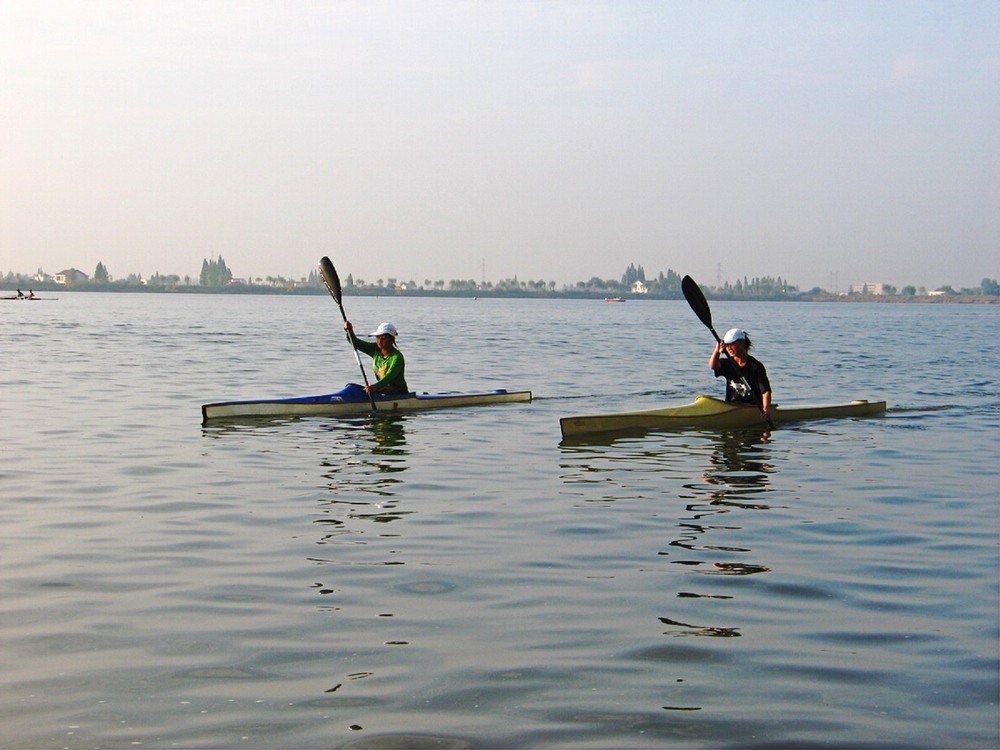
332	282
696	299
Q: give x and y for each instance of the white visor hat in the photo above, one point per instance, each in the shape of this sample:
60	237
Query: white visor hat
733	335
386	329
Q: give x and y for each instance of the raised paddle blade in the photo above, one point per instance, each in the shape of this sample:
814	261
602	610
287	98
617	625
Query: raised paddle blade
330	278
696	298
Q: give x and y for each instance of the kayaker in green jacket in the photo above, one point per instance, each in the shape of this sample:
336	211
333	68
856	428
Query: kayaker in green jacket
387	360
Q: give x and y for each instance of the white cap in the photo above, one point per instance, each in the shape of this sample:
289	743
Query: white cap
733	335
386	329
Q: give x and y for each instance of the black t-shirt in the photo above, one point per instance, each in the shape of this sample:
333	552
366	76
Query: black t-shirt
754	375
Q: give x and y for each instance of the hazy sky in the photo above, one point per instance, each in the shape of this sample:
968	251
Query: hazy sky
828	143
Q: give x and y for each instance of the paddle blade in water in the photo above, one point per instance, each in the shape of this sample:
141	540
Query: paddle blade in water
330	278
696	298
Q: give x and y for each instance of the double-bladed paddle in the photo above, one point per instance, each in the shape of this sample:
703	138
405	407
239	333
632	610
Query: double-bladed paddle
696	298
332	282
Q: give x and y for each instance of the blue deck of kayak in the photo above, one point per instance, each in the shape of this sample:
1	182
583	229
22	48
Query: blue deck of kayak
353	393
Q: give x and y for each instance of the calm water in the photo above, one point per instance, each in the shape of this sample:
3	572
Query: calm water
460	578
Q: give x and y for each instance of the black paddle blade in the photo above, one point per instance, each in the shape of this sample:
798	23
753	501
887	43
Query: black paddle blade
696	298
330	278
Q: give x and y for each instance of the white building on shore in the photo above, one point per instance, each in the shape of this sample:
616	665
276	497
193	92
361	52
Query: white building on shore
869	287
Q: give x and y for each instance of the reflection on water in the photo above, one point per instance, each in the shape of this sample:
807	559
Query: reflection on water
367	456
709	630
369	462
388	435
709	547
738	472
736	477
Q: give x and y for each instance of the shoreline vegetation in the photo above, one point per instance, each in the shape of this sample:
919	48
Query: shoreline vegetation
617	296
217	278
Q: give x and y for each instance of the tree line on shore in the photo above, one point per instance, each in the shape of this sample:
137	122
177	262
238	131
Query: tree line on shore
216	276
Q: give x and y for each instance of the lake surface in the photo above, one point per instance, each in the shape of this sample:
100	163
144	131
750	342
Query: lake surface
460	578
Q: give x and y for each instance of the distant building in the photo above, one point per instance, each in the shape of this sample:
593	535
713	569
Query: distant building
869	287
638	287
71	276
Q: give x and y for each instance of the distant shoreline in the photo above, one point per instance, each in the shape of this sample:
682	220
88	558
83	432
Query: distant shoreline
965	299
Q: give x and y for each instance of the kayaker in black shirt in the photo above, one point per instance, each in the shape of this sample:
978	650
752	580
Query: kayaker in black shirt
746	376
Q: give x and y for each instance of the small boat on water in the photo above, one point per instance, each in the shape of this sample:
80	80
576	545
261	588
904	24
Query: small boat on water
710	414
352	401
614	299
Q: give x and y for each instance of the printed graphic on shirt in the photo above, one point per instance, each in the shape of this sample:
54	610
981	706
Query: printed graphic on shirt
740	387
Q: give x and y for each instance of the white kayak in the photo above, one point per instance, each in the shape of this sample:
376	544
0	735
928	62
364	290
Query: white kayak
352	401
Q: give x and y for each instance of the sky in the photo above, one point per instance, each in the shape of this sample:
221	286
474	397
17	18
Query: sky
827	143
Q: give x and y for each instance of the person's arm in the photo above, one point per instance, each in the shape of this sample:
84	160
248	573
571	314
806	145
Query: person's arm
764	386
368	347
713	361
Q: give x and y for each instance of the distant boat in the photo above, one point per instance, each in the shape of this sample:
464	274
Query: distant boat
614	299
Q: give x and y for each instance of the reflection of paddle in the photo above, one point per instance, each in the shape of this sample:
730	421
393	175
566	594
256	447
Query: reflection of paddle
696	298
332	282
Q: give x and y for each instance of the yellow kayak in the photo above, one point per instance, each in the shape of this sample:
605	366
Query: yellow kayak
710	414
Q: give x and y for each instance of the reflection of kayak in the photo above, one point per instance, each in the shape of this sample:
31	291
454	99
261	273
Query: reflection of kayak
352	400
28	299
710	413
